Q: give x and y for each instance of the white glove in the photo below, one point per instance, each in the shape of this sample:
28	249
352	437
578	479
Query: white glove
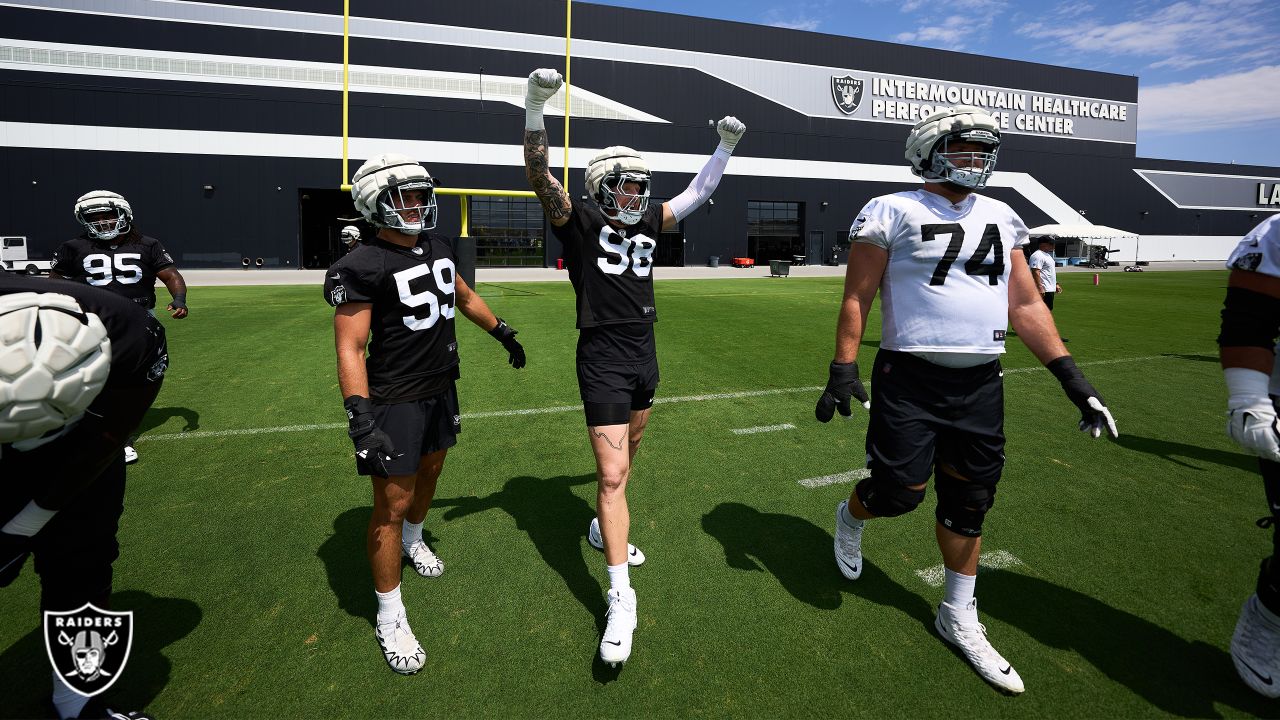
1251	416
731	130
543	83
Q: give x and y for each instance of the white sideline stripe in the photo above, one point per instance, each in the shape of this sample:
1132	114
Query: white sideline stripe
575	408
844	477
763	429
994	560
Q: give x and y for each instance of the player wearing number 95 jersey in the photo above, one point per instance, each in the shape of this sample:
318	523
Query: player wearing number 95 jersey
943	261
401	402
608	243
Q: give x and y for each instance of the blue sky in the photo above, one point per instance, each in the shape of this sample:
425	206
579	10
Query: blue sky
1208	70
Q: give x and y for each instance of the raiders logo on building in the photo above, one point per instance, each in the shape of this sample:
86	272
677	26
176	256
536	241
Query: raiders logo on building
88	647
847	92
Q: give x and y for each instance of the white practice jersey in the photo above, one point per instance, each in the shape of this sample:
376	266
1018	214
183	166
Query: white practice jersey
1259	252
946	287
1043	261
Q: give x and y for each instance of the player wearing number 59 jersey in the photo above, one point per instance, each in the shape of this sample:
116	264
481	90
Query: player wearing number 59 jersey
943	260
609	241
401	403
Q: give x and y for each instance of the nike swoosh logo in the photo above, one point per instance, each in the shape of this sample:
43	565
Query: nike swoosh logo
1265	679
335	276
618	643
633	552
852	568
1006	669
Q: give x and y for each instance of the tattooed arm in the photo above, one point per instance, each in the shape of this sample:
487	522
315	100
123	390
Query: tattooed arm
543	84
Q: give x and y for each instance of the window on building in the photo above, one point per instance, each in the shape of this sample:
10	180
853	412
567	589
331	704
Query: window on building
508	231
774	230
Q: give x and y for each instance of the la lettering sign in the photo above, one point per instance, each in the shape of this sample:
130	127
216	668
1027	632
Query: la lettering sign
1269	196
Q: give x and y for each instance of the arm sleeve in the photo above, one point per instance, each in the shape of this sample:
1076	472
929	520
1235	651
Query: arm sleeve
350	281
704	183
1259	251
64	261
872	225
1021	236
160	258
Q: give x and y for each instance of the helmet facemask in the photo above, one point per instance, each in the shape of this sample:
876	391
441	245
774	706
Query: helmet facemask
105	222
618	204
967	169
399	203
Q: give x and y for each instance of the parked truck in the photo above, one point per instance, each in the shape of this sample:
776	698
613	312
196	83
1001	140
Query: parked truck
13	255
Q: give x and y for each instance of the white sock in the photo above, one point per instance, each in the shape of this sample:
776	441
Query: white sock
68	702
958	589
389	605
618	577
29	521
410	533
849	519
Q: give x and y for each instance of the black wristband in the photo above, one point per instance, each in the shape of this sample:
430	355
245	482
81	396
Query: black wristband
501	331
1064	368
357	405
179	300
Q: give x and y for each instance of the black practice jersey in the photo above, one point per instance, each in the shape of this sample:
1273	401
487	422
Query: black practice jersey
125	265
139	354
612	274
414	352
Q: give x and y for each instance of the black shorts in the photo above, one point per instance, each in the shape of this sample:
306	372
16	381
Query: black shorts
74	552
419	427
1048	299
612	391
924	415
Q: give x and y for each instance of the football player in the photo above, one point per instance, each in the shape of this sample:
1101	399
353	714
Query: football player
1250	324
608	244
401	402
64	476
943	259
112	254
350	237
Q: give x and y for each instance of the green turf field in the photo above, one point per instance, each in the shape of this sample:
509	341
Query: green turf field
243	544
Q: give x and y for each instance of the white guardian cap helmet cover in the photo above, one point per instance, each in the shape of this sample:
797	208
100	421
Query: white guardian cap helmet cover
112	214
379	188
931	159
606	175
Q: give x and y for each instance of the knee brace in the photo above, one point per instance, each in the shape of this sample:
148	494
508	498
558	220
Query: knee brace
888	499
962	504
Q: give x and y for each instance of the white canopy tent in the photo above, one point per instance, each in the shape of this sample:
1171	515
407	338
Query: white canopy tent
1084	240
1083	232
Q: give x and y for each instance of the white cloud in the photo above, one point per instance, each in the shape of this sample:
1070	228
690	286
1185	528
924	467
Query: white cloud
799	24
1215	103
956	32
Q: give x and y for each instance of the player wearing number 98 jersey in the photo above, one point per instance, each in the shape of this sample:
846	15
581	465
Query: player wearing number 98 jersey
609	241
944	263
401	402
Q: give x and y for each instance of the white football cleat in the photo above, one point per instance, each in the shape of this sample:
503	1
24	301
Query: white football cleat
960	627
634	556
620	623
402	650
848	545
1255	649
130	455
424	561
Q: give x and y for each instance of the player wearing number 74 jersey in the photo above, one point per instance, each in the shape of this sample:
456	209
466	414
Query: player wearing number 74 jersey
950	282
401	401
608	244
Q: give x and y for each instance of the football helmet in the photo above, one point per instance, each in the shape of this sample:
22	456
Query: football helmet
54	360
608	172
350	236
380	189
927	146
104	214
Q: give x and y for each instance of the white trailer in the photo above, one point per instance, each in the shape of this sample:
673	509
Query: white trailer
13	255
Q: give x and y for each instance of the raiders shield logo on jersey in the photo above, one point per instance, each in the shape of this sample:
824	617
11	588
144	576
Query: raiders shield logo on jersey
847	92
88	647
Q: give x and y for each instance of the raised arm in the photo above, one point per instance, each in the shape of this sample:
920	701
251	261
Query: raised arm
705	182
543	84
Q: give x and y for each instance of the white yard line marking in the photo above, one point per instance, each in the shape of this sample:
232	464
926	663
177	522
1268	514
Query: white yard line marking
844	477
575	408
763	429
994	560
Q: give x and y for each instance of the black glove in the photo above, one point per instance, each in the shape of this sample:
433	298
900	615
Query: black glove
373	447
14	550
841	385
504	334
1094	415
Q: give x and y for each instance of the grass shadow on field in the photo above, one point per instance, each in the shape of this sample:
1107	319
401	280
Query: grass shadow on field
1178	676
556	520
798	553
346	562
1192	358
158	623
1172	451
156	417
